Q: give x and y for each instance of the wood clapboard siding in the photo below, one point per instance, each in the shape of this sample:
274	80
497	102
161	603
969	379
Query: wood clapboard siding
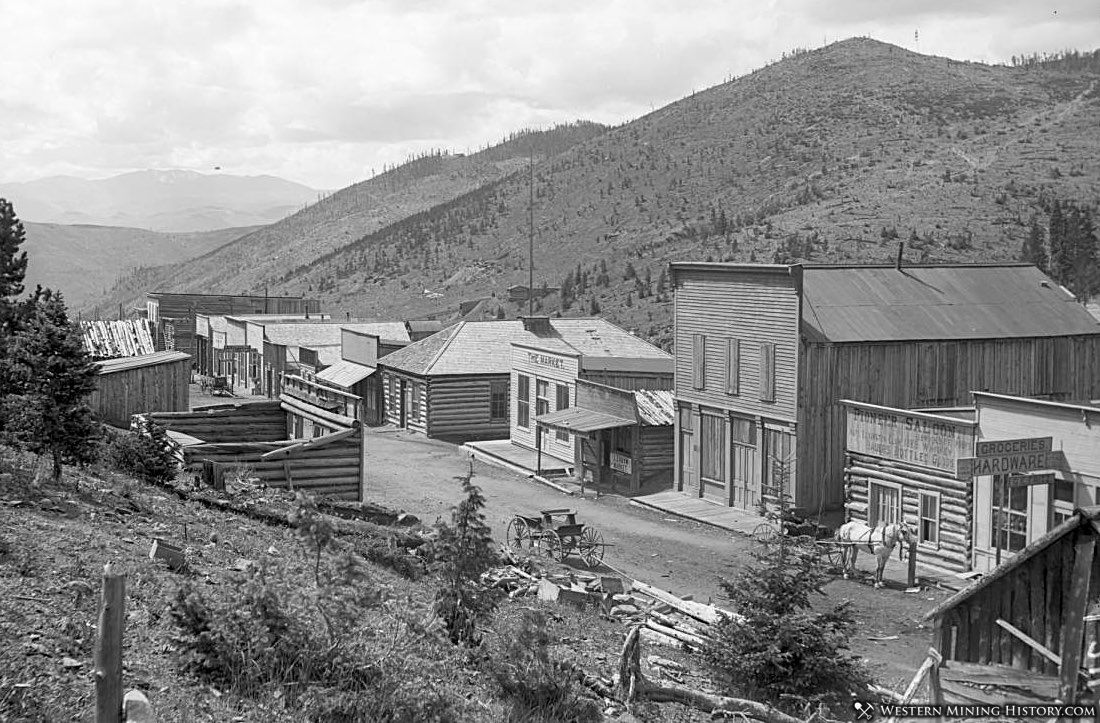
255	422
1078	441
156	388
913	375
458	408
753	308
564	373
181	310
955	507
656	454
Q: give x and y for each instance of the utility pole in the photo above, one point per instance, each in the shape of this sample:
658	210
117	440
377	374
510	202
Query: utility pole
531	234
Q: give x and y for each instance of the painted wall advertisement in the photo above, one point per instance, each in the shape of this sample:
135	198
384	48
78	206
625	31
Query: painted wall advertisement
921	440
620	462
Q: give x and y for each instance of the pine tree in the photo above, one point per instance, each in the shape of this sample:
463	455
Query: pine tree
1034	249
13	265
52	376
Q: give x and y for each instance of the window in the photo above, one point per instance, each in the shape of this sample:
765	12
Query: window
742	431
416	402
542	397
1061	501
319	431
733	366
1009	528
712	447
698	361
523	400
767	372
685	418
885	508
563	403
929	530
498	401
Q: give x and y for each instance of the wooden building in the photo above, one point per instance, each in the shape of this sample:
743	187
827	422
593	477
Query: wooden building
546	369
357	370
174	314
455	384
132	385
1029	626
901	466
217	334
765	353
260	436
1014	511
622	438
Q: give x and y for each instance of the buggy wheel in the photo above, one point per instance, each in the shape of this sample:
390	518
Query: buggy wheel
834	555
519	535
765	532
550	544
591	547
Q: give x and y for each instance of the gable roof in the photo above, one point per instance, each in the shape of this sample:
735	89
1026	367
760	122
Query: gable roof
110	366
328	334
1081	516
884	303
485	347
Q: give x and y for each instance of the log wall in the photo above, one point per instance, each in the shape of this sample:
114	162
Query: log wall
458	408
956	505
326	465
252	422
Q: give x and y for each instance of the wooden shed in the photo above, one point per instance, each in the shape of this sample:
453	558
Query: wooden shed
765	353
132	385
1031	626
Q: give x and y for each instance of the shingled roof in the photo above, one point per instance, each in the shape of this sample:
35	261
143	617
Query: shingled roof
485	347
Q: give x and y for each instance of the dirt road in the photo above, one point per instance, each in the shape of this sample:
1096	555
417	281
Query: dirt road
417	475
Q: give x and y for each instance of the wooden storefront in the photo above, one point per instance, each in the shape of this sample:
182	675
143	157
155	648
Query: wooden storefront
622	439
127	386
901	467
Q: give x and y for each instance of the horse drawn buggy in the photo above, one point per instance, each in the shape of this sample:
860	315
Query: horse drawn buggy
840	548
557	534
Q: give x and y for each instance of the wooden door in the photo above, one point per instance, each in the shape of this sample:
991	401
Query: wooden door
713	462
779	469
744	477
404	402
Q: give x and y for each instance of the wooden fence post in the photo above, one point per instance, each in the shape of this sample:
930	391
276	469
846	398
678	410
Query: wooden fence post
108	648
913	563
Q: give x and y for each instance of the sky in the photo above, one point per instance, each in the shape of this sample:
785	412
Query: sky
327	92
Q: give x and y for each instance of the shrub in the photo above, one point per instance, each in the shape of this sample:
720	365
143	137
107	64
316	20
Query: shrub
146	457
463	551
536	686
781	650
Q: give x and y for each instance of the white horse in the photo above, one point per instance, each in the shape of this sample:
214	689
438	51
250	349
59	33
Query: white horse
879	541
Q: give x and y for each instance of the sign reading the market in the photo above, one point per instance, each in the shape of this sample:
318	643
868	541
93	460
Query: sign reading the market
1010	456
917	439
545	360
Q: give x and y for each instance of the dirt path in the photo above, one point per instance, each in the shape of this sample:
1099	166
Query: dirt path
416	474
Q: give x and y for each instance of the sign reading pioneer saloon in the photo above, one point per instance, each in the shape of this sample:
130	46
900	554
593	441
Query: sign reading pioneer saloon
921	439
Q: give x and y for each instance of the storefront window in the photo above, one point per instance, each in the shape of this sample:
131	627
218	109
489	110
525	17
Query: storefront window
542	397
563	403
712	447
523	401
1062	501
1009	516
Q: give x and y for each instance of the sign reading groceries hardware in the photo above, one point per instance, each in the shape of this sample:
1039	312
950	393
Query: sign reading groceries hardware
1009	456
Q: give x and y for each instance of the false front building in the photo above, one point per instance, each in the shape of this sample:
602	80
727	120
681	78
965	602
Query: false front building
765	353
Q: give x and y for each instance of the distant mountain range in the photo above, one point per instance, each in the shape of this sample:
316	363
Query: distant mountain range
833	155
171	201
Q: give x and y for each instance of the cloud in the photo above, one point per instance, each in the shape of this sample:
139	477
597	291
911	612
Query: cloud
323	91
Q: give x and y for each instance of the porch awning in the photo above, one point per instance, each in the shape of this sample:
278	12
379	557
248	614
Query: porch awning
345	373
582	421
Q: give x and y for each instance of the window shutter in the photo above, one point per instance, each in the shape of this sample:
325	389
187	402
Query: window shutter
767	372
733	366
698	361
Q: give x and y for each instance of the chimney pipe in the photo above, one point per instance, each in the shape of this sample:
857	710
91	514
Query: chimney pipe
901	252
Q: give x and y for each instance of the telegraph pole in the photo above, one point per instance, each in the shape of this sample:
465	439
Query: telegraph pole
531	233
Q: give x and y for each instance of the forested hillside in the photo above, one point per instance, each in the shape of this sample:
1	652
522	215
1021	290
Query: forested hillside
833	155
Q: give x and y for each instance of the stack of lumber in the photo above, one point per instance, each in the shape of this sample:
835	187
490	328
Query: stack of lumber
112	339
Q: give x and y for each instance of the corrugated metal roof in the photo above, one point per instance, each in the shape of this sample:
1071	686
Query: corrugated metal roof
655	407
345	373
876	303
109	366
582	421
485	347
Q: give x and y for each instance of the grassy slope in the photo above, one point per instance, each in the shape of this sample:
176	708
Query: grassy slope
263	256
817	153
84	261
